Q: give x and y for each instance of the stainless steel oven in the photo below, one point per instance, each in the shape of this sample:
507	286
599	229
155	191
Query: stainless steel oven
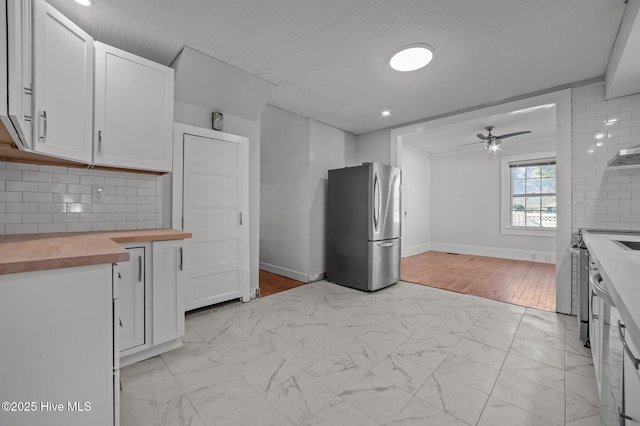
579	249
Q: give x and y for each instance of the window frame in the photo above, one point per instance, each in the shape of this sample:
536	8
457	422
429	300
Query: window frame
505	199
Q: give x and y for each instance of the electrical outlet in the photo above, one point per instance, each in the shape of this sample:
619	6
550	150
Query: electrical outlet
98	194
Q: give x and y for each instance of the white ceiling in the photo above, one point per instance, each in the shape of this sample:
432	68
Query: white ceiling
329	58
541	122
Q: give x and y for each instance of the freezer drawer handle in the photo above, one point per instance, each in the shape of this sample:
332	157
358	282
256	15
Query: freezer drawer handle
627	349
389	244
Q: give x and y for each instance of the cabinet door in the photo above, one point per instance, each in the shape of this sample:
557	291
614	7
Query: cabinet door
19	72
63	88
133	111
132	299
57	345
168	305
631	385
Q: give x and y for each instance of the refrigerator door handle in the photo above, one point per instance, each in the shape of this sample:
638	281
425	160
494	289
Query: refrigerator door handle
376	201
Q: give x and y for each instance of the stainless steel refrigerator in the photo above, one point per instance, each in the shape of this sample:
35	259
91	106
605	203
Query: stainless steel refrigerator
363	226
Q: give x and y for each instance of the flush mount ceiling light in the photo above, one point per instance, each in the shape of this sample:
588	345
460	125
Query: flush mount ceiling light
386	113
84	2
412	57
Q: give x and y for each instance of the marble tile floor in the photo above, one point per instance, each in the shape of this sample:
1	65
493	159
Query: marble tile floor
322	354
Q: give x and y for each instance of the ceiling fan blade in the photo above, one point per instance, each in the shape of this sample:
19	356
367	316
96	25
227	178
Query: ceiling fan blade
481	136
508	135
472	143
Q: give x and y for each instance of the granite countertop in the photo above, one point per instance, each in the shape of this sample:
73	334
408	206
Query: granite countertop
620	267
36	252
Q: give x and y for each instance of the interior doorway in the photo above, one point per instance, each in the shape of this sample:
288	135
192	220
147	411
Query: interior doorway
466	229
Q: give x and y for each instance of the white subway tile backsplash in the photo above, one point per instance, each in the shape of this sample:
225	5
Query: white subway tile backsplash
611	196
21	166
16	185
91	180
79	189
37	197
31	228
59	199
37	176
65	178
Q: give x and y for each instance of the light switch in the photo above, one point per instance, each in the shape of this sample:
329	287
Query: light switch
578	198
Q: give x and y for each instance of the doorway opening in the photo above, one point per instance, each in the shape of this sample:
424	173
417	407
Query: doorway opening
457	230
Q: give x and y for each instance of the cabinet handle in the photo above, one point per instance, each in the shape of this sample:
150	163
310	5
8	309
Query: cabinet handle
180	250
43	115
120	319
139	268
594	316
627	349
240	216
99	143
622	417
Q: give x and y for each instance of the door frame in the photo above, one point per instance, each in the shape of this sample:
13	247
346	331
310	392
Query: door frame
562	101
180	130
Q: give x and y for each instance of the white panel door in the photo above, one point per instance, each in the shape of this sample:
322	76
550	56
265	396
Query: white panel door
215	201
63	87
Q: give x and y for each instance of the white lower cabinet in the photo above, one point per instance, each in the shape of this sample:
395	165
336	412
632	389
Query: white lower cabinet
57	347
151	300
631	385
133	289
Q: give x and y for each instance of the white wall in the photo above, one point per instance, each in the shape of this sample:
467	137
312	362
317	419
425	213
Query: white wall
201	117
296	154
416	214
466	205
373	147
284	197
327	151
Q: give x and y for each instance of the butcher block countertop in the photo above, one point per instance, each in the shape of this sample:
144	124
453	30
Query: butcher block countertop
36	252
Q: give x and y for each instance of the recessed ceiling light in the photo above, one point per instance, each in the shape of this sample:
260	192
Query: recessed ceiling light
386	113
84	2
412	57
599	136
610	121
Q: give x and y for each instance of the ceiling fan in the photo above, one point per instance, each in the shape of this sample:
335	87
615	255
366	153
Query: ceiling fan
492	142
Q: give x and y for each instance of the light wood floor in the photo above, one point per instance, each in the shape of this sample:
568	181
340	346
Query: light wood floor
530	284
271	283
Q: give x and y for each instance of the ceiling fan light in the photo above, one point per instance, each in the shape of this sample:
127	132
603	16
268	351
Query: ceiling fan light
411	58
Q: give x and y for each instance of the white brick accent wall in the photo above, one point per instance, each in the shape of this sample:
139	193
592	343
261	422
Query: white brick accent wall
610	196
38	199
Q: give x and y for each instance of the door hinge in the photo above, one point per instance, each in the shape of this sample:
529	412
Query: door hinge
182	222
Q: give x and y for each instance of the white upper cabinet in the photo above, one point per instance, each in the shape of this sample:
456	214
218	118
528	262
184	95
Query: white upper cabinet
133	111
19	78
63	86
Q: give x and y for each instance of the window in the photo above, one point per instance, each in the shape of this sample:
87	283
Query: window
529	194
533	194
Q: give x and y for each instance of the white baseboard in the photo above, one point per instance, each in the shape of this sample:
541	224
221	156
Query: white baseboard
505	253
289	273
415	249
317	277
